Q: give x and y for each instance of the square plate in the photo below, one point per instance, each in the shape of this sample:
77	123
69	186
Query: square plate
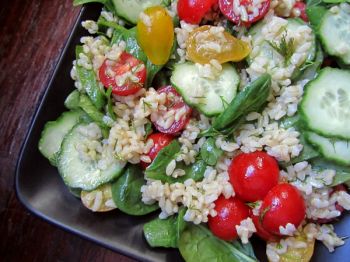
40	188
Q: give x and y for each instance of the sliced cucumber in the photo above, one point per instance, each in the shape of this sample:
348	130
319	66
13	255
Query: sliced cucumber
263	49
331	148
54	132
334	32
208	96
131	9
83	174
325	106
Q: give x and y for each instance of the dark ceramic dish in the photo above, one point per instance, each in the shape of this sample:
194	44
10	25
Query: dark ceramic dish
40	188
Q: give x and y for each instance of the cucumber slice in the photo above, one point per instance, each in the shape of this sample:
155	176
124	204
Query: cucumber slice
54	132
335	34
331	148
208	96
274	63
83	174
325	106
131	9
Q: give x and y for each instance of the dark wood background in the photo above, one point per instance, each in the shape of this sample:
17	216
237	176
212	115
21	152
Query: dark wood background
32	35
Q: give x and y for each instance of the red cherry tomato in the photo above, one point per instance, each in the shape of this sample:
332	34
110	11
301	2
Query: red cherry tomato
337	206
262	232
230	212
301	7
159	141
252	175
226	7
192	11
126	63
174	102
282	205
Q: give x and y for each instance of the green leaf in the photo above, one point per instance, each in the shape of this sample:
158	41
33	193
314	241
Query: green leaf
165	232
209	152
89	108
148	129
132	47
284	48
89	82
315	13
197	243
81	2
248	248
290	121
126	193
342	172
251	99
72	100
110	110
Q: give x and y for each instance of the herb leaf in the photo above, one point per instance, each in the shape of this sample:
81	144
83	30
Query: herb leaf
285	48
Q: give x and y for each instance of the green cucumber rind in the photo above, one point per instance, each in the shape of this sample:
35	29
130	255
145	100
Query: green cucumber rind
51	129
303	116
326	154
64	167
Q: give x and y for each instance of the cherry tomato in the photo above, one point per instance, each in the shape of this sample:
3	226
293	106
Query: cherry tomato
228	48
226	7
193	11
173	102
337	206
252	175
300	254
282	205
301	7
110	71
230	212
159	142
262	232
155	34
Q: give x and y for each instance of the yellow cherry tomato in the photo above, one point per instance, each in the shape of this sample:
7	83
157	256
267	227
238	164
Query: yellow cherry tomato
155	34
211	42
299	254
99	199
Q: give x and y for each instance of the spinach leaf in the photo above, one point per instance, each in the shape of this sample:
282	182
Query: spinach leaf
209	152
126	193
165	232
110	104
197	243
89	83
290	121
248	248
86	104
72	100
250	99
157	169
132	47
107	3
342	172
315	13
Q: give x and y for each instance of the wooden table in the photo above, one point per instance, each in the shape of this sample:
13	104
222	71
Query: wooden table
32	35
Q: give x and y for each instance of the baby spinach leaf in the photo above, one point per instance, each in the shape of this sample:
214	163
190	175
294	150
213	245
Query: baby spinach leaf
342	172
249	100
157	169
89	83
315	13
209	152
72	100
87	105
197	243
126	193
248	248
110	104
132	47
194	171
165	232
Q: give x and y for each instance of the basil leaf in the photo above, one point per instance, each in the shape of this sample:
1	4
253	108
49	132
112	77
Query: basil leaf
249	100
89	83
197	243
126	193
342	172
209	152
132	47
165	232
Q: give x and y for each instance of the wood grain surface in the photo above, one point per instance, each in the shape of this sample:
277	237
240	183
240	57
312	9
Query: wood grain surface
32	35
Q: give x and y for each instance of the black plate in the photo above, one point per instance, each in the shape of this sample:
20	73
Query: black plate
40	188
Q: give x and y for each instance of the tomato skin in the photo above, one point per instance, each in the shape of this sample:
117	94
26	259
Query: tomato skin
262	232
159	142
252	175
301	6
282	205
125	63
230	212
178	103
193	11
226	7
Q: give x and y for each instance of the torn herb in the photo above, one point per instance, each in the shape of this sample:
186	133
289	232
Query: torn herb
285	48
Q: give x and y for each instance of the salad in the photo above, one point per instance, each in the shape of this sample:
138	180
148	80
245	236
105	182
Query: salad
228	118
